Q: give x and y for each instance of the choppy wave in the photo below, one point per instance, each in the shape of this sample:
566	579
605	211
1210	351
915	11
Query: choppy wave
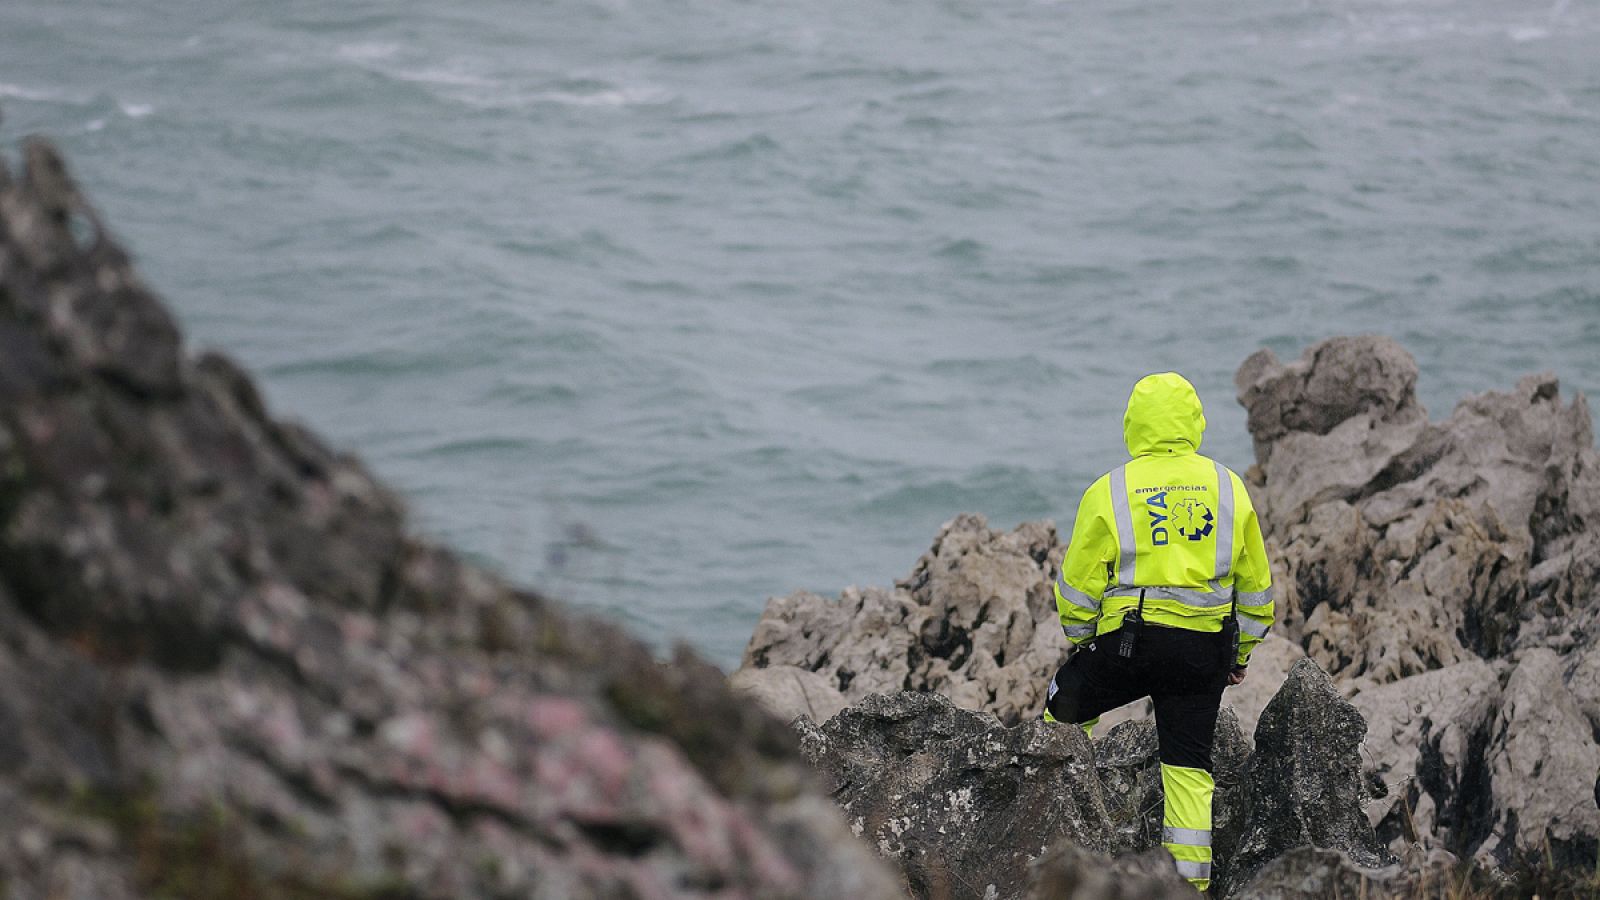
673	307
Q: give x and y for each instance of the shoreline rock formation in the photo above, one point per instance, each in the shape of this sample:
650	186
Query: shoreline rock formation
1442	573
228	670
974	621
970	808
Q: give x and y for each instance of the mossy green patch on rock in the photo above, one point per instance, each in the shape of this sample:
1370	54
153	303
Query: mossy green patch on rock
198	856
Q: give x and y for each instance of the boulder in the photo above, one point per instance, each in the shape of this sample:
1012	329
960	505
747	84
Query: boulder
961	802
1424	752
1544	771
1305	785
789	691
968	807
1334	382
1318	872
1069	872
228	669
975	621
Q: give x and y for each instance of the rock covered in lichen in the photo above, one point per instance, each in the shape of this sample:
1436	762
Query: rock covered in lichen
959	801
227	669
1305	786
1069	872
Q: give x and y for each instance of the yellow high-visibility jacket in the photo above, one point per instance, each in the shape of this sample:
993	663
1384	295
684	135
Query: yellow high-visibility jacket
1171	522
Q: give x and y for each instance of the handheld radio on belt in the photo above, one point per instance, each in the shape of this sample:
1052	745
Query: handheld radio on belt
1230	634
1132	624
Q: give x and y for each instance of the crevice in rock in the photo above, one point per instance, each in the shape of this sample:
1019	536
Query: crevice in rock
298	782
1471	811
630	840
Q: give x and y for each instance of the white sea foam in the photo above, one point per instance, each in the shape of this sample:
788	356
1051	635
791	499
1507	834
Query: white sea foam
623	96
135	110
390	60
1524	33
37	95
442	77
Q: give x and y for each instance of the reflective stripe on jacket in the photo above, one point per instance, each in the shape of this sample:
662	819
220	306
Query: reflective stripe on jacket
1174	523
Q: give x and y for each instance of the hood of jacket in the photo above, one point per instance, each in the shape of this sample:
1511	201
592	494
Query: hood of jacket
1164	416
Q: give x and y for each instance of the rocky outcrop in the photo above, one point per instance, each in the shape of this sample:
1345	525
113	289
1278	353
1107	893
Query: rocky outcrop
1425	755
1305	786
1069	872
968	807
1428	567
959	801
227	669
1317	872
974	621
1427	558
1444	573
1543	770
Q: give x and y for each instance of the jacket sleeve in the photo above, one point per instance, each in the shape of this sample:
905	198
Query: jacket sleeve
1252	581
1084	569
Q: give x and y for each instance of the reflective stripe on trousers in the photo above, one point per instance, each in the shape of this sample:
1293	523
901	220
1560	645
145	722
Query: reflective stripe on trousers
1186	821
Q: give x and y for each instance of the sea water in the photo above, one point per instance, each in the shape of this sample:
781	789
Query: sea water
665	308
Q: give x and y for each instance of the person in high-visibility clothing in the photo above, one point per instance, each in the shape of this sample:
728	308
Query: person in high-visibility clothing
1165	589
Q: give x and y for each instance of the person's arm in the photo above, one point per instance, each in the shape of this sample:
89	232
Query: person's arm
1084	573
1252	580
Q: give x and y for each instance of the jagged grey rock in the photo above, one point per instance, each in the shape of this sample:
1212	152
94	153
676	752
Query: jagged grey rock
1305	783
1129	767
1408	545
959	801
1334	381
1583	680
1069	872
222	651
1409	548
975	621
789	691
1318	872
963	803
1544	770
1424	751
1269	667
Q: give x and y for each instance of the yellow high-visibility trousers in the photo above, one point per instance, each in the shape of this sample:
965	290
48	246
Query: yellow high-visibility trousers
1186	821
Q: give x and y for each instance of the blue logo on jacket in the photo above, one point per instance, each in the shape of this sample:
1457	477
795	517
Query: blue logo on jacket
1193	519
